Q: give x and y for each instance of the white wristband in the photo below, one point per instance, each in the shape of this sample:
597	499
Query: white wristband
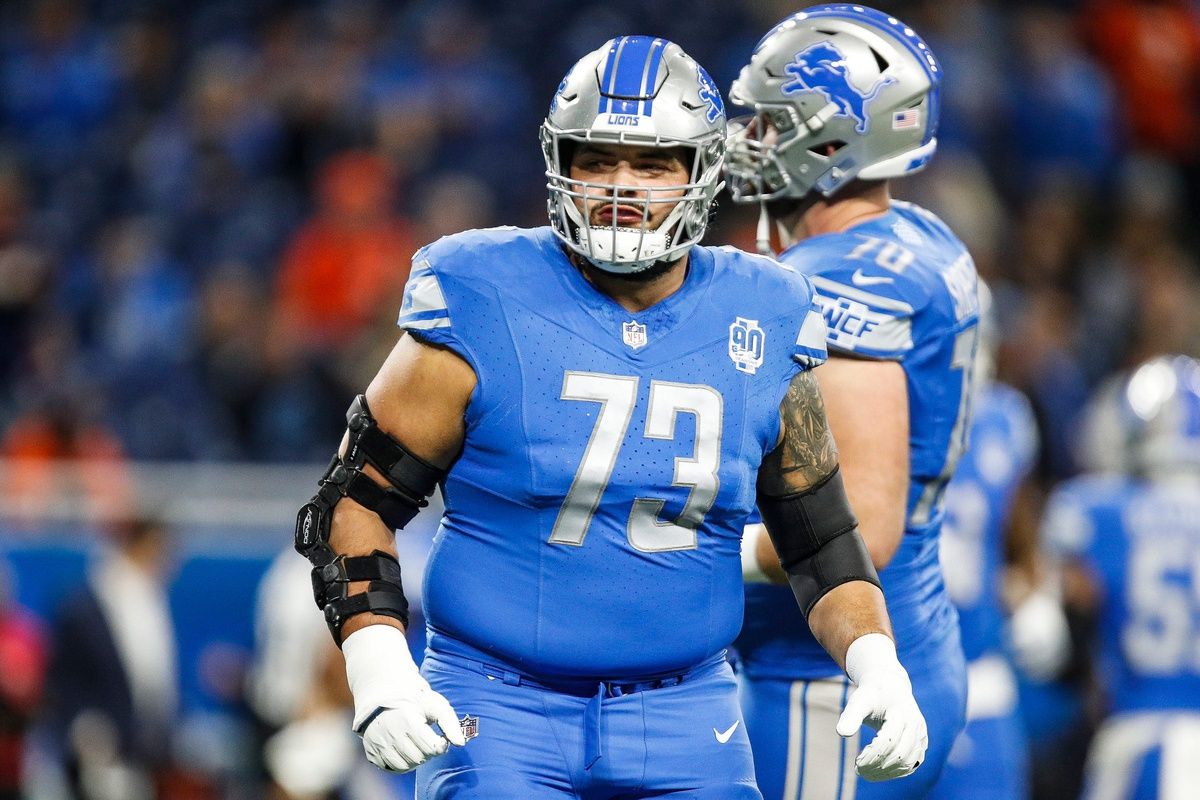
870	652
379	669
752	571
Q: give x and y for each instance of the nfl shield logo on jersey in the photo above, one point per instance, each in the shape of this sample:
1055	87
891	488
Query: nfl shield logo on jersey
633	334
746	345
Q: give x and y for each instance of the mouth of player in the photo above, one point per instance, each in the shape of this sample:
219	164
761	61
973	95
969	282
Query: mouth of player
619	216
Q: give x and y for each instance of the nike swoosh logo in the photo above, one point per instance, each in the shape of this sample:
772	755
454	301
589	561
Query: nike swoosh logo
859	279
723	737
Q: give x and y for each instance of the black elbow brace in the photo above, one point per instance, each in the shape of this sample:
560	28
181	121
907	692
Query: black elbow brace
412	481
816	536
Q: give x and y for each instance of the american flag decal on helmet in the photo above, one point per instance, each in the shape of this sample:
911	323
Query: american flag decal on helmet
906	119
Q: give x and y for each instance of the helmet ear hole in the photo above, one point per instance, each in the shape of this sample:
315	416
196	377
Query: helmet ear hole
827	149
566	154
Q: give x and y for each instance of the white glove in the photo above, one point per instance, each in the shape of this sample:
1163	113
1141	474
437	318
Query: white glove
382	675
752	571
311	757
883	699
1041	638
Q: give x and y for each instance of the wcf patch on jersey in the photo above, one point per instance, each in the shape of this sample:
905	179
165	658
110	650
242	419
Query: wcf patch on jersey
746	341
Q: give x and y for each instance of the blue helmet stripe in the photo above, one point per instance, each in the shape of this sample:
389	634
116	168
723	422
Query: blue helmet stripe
650	75
631	66
623	74
606	79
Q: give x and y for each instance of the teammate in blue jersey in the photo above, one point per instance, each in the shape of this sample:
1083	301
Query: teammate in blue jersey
1132	542
844	98
989	760
603	402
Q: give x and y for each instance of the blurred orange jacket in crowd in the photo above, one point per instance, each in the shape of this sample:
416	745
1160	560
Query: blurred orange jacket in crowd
350	261
1152	50
37	447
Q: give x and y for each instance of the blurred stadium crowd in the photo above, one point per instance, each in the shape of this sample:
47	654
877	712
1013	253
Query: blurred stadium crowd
207	209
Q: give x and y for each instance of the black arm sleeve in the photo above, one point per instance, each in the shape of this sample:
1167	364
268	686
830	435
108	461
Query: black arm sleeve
816	536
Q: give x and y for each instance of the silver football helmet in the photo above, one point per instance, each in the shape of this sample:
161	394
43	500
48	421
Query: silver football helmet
1146	422
1163	395
838	92
638	90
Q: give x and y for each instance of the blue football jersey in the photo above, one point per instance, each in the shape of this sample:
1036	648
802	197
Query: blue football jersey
899	287
978	507
593	519
1140	540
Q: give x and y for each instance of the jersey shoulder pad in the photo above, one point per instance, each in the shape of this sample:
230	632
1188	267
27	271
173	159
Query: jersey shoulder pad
482	254
781	293
943	262
452	284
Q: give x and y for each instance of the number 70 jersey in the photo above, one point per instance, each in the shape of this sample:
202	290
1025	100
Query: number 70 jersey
593	519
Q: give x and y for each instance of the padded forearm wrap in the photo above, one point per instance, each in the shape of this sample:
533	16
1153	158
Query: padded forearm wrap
384	594
816	536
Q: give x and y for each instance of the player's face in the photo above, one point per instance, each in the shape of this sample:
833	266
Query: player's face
763	128
645	175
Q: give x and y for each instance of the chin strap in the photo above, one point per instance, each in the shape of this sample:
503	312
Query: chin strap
762	239
785	236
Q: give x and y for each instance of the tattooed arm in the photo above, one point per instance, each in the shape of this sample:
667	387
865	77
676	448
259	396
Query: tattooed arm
806	458
806	454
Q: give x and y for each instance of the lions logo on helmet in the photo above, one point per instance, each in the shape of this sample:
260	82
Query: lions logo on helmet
822	68
640	90
710	96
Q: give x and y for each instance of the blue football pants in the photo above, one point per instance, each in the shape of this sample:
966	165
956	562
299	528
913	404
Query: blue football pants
534	742
989	761
1145	756
798	754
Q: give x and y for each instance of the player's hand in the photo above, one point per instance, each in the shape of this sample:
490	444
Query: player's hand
394	707
883	699
1040	635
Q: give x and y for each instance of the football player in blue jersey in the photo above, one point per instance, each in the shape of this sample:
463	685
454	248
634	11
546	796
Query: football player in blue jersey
844	98
989	760
1131	549
603	402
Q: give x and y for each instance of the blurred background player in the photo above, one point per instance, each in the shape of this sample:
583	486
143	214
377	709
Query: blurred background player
989	759
603	402
112	684
1130	545
297	686
843	99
